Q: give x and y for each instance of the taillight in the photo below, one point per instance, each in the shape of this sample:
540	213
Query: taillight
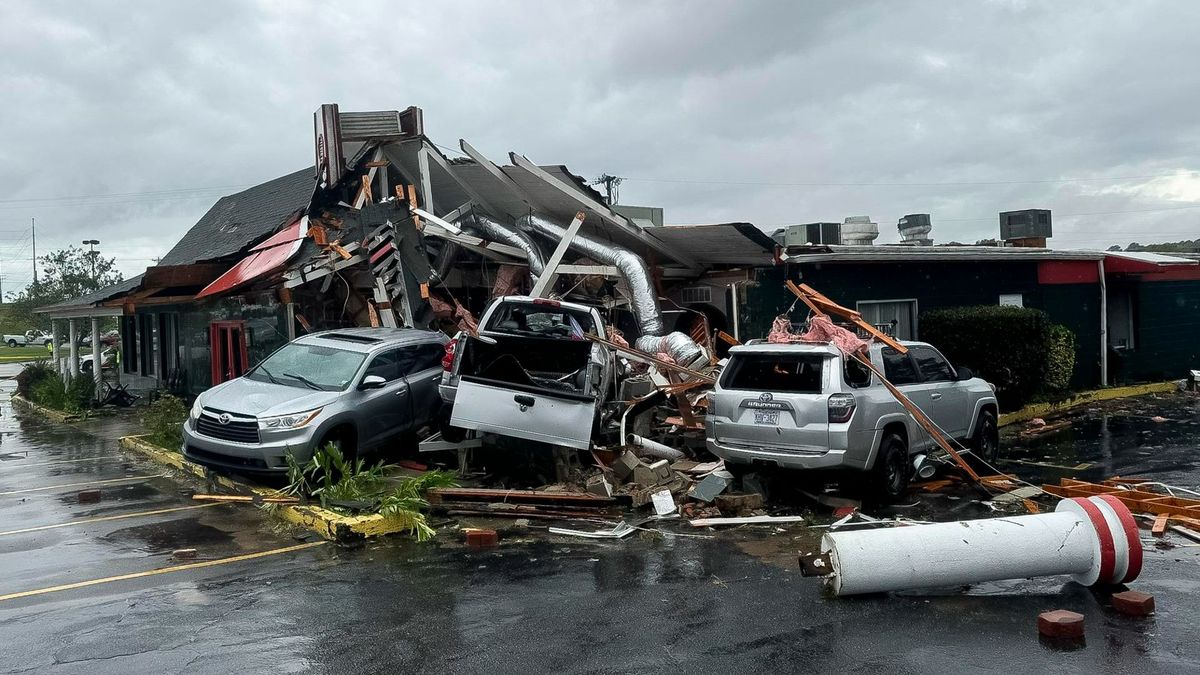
448	355
841	408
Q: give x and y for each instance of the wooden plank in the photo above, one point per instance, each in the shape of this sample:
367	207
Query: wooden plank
820	304
728	339
1159	528
439	495
653	360
546	281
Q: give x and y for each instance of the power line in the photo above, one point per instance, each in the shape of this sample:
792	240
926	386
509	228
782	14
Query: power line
703	181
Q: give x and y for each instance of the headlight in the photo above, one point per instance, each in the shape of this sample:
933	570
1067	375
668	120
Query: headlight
196	408
283	422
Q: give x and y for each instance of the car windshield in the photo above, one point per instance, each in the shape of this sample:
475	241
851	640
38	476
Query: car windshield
309	366
543	320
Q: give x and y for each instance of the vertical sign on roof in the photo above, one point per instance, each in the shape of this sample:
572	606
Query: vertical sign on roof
331	165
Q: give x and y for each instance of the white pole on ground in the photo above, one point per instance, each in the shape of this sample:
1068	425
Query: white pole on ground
54	346
1094	540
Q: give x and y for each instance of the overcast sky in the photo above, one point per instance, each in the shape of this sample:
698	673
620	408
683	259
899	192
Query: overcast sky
767	112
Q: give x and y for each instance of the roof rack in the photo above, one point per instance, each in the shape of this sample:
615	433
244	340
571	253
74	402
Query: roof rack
361	339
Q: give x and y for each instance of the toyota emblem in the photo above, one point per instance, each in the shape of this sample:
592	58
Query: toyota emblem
765	397
224	418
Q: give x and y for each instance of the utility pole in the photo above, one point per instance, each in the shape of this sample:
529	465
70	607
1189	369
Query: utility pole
91	244
33	232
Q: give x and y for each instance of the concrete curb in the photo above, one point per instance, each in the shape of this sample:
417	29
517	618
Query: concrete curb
330	525
1042	409
55	415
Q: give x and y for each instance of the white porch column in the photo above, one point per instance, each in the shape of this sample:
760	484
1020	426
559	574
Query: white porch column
54	346
73	361
97	357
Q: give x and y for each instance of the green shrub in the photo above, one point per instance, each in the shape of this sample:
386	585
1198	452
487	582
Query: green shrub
49	392
32	373
1015	348
163	420
79	394
1060	358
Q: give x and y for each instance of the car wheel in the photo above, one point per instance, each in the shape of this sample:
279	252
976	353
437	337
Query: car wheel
86	367
891	470
342	441
12	343
450	433
986	444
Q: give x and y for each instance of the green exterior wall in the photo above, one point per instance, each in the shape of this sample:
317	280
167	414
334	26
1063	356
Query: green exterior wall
1166	333
934	285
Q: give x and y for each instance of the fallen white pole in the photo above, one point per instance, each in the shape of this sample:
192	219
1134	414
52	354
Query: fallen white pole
1095	540
653	448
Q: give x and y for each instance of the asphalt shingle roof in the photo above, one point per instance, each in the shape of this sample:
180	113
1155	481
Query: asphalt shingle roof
95	297
239	220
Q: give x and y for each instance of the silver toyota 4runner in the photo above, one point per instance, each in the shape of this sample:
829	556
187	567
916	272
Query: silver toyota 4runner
807	406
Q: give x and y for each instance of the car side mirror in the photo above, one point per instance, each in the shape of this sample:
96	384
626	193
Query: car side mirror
372	382
964	374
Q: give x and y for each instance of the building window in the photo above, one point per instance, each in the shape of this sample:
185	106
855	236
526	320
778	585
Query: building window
1012	300
897	318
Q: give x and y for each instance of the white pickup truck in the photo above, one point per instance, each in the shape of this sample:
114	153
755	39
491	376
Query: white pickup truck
530	373
30	337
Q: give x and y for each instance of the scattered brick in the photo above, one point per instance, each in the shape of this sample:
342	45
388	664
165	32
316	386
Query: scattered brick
480	538
1133	603
739	503
1061	623
843	511
88	496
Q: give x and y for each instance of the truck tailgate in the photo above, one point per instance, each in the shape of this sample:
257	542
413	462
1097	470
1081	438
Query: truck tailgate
532	413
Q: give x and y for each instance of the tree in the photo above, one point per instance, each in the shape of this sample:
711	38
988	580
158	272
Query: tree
66	274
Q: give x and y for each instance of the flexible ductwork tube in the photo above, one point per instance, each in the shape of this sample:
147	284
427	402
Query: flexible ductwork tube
506	234
628	264
682	348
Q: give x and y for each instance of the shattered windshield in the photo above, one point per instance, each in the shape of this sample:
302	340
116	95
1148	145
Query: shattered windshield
541	320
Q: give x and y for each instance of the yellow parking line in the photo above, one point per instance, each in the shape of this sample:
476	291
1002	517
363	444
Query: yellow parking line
17	464
104	518
71	485
160	570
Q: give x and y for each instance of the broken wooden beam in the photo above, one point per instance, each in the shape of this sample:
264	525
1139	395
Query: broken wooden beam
440	495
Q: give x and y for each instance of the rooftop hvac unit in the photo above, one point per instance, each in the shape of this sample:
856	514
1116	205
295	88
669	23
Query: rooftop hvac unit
1026	224
812	233
859	231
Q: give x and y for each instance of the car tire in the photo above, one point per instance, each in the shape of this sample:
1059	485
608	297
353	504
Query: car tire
12	343
986	444
343	441
86	367
892	469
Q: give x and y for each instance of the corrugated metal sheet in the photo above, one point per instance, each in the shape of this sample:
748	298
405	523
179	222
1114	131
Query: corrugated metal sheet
361	126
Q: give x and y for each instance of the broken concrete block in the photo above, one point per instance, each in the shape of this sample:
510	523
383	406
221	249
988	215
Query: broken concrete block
1133	603
739	503
712	485
664	503
480	538
1061	623
625	465
652	474
599	485
88	496
661	469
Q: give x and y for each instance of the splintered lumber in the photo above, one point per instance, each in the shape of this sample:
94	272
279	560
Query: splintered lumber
820	304
650	358
442	495
1139	501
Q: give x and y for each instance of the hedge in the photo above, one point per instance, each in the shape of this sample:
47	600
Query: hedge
1015	348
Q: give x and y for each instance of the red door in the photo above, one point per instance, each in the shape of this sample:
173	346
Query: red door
229	356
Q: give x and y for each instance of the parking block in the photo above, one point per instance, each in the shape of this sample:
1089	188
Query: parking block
1133	603
1061	623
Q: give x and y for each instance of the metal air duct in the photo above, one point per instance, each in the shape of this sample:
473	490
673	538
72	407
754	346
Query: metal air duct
505	234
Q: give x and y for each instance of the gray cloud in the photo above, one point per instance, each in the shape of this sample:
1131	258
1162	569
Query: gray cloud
145	97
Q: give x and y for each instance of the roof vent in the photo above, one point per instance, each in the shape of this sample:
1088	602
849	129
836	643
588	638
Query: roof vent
1030	227
914	229
859	231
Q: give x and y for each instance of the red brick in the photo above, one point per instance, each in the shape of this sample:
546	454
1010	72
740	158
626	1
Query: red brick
88	496
1060	623
843	511
477	538
1133	603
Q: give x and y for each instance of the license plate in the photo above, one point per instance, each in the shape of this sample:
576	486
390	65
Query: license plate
766	417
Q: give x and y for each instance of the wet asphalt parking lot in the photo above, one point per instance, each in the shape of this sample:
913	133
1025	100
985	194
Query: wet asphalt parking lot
79	590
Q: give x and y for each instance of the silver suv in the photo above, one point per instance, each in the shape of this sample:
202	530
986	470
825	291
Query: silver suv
807	406
354	387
